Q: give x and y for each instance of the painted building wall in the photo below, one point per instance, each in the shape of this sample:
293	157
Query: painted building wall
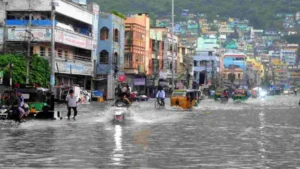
111	22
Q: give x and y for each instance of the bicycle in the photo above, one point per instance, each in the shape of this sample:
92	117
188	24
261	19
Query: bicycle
159	104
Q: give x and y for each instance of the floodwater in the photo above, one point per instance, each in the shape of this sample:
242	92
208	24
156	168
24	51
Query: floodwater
260	133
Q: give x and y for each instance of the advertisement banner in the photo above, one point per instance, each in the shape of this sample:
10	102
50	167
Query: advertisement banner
139	82
1	77
42	34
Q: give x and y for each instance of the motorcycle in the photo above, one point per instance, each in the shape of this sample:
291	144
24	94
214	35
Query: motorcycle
224	99
8	113
120	112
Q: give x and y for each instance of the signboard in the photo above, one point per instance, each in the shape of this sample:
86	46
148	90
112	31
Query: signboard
139	82
1	77
73	40
44	35
74	68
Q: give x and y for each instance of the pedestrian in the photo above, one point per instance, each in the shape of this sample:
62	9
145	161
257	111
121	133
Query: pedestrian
72	104
295	91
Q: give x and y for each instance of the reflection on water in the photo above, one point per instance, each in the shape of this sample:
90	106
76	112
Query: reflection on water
118	155
225	137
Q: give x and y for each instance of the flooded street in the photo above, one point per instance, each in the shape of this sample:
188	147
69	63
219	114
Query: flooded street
255	134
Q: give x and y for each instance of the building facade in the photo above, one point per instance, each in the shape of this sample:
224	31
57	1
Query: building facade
110	52
234	63
30	21
137	39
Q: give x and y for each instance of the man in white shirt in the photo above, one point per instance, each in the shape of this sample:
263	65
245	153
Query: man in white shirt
161	95
72	104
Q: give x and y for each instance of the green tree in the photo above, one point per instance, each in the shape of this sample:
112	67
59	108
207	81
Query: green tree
39	70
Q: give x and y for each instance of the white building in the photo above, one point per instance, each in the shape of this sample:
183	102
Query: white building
74	42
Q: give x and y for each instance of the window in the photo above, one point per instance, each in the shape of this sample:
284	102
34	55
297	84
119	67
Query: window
104	57
116	58
116	35
49	51
66	54
195	63
42	51
59	53
128	57
104	33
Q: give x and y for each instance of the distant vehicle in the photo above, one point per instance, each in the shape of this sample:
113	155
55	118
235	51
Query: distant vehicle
288	91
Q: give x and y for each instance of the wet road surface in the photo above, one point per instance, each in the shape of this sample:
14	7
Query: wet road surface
255	134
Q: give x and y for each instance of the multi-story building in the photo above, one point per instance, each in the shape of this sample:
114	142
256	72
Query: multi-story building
206	66
234	63
168	54
30	21
137	37
156	58
288	56
110	51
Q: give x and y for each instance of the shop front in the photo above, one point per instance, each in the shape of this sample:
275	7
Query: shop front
70	73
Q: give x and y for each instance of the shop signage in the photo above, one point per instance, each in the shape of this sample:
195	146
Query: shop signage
74	68
139	82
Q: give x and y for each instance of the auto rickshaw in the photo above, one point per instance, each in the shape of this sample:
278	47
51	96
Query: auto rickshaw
186	99
240	95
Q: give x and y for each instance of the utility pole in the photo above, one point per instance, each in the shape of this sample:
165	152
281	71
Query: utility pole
52	75
28	44
173	65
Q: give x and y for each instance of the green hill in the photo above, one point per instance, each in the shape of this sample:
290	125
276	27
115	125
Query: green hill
261	13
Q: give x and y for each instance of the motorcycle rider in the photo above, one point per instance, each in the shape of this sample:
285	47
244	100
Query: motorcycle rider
225	94
21	108
14	103
160	95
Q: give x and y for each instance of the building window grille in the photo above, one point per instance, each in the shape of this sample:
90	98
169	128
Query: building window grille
104	57
116	35
104	33
42	51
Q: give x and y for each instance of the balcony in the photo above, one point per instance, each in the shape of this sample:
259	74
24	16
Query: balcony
70	57
131	65
26	22
44	35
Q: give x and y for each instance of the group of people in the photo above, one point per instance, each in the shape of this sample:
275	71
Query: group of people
16	103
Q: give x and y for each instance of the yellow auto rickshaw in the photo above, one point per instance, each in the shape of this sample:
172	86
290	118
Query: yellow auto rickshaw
186	99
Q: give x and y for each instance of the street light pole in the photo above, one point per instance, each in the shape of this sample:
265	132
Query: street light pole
28	47
173	45
52	58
